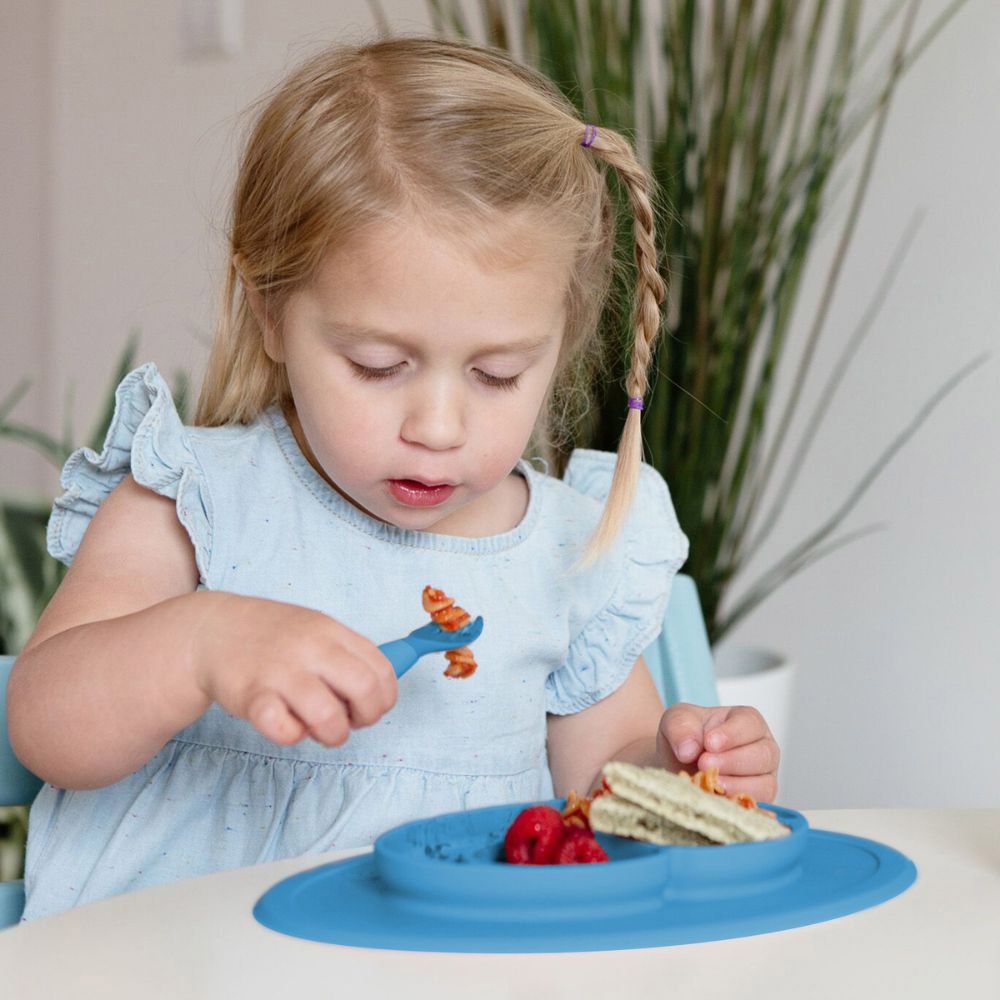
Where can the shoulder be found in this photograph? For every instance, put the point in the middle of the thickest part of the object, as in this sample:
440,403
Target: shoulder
240,461
575,504
147,440
568,509
637,569
234,436
587,480
617,604
590,472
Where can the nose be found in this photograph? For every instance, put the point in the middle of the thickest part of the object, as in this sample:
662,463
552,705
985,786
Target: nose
435,416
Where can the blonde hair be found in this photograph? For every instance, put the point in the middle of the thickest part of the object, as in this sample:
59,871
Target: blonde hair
464,137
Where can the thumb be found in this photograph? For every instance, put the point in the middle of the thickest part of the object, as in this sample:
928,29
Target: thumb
683,727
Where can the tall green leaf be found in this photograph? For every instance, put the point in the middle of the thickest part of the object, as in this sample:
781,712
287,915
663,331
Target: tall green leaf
29,576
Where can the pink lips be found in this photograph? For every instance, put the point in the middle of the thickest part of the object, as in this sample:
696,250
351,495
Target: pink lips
414,494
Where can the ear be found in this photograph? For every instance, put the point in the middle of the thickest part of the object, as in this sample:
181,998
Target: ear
273,346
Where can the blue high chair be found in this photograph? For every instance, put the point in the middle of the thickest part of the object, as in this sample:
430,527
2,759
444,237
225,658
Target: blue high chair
18,787
680,661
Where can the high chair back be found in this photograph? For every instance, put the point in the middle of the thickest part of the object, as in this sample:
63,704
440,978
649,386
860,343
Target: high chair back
18,787
680,659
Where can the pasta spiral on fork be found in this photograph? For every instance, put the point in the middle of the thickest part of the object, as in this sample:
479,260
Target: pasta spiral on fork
446,613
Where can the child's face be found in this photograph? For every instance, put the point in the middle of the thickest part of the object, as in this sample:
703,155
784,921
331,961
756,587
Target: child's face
448,398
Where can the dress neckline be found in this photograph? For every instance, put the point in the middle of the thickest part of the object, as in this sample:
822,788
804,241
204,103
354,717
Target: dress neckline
346,511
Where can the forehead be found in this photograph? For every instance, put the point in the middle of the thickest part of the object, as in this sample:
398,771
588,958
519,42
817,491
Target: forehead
509,284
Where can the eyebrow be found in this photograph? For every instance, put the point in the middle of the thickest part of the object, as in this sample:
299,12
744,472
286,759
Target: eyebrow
525,345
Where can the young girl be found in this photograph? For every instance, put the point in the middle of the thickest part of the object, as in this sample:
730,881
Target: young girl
421,246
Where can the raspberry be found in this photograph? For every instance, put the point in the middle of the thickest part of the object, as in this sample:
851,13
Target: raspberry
534,836
579,847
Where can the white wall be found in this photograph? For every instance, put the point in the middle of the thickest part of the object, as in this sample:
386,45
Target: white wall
118,158
25,171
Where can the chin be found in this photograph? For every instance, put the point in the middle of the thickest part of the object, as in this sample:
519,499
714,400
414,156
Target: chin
419,520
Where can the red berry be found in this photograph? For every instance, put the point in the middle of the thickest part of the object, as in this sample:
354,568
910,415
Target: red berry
579,847
534,836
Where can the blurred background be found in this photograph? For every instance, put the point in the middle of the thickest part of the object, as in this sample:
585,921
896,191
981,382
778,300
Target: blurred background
120,132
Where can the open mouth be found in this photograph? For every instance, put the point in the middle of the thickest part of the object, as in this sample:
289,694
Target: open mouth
416,494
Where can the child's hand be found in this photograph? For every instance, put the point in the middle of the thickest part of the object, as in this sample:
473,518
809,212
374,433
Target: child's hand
290,671
735,740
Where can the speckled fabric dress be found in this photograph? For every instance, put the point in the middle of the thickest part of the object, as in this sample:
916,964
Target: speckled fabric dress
264,523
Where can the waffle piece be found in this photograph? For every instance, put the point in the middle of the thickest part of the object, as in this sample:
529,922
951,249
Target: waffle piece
655,805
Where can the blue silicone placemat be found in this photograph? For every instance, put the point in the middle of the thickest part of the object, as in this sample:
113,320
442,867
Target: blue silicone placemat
439,885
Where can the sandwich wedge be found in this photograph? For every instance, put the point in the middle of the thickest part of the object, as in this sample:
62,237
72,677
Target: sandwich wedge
655,805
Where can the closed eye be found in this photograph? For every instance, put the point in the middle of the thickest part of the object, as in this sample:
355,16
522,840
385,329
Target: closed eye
496,381
364,372
508,383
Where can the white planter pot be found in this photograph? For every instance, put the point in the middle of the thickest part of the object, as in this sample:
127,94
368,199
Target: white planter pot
762,678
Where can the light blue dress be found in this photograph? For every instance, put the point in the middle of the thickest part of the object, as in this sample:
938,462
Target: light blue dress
263,522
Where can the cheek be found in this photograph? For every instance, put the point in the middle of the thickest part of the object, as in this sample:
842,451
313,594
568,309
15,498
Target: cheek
343,430
500,439
351,435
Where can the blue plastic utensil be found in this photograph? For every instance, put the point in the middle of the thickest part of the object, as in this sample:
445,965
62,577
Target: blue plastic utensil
404,653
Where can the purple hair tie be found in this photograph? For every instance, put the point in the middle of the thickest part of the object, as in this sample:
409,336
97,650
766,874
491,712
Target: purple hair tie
589,135
635,402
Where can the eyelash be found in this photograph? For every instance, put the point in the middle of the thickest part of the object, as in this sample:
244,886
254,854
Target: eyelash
496,382
377,374
374,374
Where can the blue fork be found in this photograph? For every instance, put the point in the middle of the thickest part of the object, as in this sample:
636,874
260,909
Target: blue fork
404,653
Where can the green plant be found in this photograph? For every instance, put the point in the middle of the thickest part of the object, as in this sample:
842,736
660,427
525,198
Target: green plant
28,574
747,138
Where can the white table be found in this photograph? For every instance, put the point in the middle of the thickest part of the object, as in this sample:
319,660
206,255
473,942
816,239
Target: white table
197,938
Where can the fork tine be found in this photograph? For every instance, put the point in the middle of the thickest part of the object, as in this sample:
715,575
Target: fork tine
429,638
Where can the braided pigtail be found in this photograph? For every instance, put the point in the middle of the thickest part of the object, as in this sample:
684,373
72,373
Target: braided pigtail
650,290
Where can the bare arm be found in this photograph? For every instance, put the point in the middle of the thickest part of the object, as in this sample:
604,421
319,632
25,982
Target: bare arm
631,725
622,726
107,676
128,653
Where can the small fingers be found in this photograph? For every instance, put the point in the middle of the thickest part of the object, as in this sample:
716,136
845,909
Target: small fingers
271,717
365,689
760,787
323,714
683,727
739,726
736,740
368,655
384,673
758,758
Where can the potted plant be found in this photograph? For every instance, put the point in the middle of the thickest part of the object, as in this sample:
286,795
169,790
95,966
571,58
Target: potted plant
743,113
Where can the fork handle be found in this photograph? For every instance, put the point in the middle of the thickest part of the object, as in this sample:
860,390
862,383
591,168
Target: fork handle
400,654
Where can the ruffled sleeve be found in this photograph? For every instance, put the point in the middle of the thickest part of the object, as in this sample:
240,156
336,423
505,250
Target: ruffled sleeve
145,437
637,575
